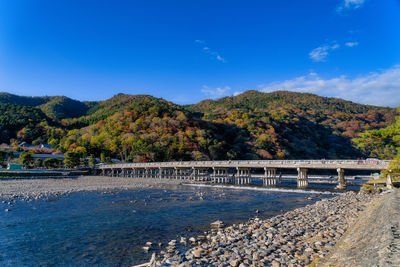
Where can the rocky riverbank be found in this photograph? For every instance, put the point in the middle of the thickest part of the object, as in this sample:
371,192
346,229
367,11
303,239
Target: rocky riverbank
38,188
296,238
375,239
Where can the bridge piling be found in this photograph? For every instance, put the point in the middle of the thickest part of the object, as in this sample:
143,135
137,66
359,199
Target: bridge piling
302,178
341,180
269,176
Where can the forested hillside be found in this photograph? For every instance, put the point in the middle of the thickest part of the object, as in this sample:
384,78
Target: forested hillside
252,125
55,107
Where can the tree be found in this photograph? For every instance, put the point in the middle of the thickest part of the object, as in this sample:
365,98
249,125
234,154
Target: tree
3,156
26,159
38,163
93,161
52,163
103,158
72,159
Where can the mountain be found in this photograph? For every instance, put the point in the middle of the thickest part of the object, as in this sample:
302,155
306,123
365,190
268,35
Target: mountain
55,107
252,125
18,121
61,107
296,125
344,117
7,98
145,128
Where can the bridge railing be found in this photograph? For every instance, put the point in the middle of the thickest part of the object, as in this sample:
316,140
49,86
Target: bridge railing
245,163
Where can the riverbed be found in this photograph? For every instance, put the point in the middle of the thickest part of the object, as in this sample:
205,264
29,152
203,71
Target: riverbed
109,225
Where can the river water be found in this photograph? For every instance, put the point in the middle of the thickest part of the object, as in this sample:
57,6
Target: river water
110,228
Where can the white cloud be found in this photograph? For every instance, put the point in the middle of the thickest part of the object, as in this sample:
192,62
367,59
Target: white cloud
215,92
237,93
351,44
376,88
320,53
210,52
350,4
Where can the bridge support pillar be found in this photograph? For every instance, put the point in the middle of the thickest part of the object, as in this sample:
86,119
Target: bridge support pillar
243,175
195,174
279,180
199,174
302,178
220,175
341,180
269,176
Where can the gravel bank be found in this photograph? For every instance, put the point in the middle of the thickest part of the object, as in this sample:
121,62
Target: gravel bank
375,238
37,188
296,238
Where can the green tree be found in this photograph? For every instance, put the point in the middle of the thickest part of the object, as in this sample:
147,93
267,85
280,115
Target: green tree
26,159
3,156
72,159
38,163
93,161
52,163
103,158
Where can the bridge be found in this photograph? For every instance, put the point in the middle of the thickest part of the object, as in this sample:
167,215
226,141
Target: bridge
238,171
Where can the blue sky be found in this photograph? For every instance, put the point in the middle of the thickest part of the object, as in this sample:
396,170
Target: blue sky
186,51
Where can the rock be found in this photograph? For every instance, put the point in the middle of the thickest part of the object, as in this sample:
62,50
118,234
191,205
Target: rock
275,264
217,224
192,240
146,248
172,243
6,210
234,263
152,259
149,244
197,252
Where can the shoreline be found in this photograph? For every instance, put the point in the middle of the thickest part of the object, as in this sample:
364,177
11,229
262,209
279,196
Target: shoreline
26,189
375,239
296,238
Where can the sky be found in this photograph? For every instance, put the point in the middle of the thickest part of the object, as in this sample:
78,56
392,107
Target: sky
187,51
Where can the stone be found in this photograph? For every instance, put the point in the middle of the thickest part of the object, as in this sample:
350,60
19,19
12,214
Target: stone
217,224
234,263
197,252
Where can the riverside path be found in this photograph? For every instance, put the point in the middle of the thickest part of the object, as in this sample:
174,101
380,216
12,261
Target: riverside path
237,171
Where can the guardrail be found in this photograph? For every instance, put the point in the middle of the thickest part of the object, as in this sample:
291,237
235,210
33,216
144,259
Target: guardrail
359,164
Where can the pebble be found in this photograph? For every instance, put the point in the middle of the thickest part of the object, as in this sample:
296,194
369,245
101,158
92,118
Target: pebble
33,189
295,238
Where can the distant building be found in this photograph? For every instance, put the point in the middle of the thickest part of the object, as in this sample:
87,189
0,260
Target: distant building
42,156
5,147
12,166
